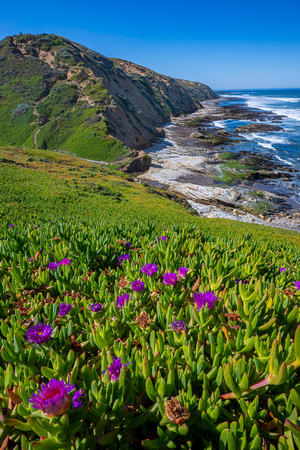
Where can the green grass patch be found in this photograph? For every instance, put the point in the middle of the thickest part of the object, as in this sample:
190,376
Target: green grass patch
234,171
257,194
228,155
47,185
97,91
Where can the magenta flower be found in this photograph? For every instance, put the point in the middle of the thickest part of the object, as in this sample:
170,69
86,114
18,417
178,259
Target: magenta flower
96,307
282,269
170,278
178,325
297,285
53,398
149,269
137,285
182,271
115,368
52,266
121,300
204,298
162,238
123,258
64,261
11,225
64,309
39,333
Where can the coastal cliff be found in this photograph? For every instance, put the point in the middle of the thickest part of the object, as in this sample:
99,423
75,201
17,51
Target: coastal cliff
57,94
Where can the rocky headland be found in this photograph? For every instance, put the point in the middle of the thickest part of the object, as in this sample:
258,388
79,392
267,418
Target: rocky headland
197,159
58,94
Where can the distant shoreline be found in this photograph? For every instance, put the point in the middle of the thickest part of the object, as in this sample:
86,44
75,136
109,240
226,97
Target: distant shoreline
173,169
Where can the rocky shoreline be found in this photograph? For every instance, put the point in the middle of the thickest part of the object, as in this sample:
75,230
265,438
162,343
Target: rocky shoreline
197,160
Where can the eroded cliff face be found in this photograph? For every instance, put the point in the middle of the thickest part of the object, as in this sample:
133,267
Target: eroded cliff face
57,94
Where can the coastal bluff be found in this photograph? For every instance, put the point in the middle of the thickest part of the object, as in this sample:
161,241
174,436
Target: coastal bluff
57,94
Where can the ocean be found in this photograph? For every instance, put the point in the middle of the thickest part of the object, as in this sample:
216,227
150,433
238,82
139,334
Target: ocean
283,146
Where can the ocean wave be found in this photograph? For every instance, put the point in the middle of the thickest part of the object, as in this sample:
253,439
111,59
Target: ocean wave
272,139
258,103
284,160
219,123
263,98
283,99
269,139
262,102
266,145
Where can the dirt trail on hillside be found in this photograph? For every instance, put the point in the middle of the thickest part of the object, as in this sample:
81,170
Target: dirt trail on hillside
34,138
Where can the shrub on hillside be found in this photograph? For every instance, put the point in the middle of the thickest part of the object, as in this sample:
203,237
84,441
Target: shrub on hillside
21,109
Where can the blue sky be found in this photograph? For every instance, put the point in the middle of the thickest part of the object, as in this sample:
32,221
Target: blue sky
225,44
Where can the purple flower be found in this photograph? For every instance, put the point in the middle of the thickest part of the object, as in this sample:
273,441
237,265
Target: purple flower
64,261
52,266
204,298
178,325
137,285
128,244
96,307
115,368
162,238
297,285
149,269
121,300
11,225
282,269
39,333
64,309
53,398
240,280
182,271
123,258
77,397
170,278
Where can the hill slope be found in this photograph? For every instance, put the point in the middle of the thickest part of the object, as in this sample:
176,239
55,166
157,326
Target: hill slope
57,94
40,185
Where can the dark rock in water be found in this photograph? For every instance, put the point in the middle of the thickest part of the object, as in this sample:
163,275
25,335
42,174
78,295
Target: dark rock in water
288,169
269,174
257,127
222,133
198,135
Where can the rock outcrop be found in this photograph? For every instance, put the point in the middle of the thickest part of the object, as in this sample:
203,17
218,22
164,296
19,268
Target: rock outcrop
139,162
257,128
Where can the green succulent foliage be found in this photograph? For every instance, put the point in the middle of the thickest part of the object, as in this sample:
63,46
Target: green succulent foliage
234,370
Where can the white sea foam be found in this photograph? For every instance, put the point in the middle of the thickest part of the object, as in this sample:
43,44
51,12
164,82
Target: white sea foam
283,99
266,145
263,98
284,160
265,103
272,139
262,103
219,123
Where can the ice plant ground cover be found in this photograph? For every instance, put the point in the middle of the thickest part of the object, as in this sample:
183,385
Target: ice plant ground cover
169,368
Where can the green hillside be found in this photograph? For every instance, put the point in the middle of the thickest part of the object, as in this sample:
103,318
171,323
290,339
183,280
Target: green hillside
57,94
42,185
